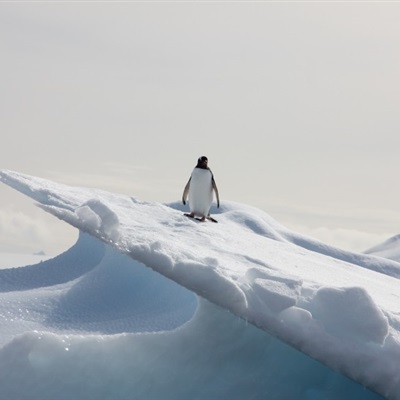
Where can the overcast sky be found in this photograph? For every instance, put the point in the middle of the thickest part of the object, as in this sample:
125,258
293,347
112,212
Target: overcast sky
296,105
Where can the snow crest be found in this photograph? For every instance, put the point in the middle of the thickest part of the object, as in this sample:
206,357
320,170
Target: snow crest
97,216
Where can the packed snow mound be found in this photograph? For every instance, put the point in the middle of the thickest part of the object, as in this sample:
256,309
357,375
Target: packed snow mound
343,312
336,306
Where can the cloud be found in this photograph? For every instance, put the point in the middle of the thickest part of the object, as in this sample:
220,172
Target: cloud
23,233
139,181
354,229
347,239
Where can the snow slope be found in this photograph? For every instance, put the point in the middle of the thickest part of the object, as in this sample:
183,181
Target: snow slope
389,249
338,307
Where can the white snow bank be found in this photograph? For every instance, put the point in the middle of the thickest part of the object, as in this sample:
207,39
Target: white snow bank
272,291
317,298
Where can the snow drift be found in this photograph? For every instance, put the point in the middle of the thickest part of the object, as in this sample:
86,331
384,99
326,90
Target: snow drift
340,308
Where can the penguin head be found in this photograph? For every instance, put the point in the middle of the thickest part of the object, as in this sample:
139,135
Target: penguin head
202,162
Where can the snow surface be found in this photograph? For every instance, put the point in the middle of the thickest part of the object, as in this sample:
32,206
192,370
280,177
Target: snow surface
95,323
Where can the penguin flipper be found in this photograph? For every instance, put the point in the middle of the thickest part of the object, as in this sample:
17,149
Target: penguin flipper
214,186
186,191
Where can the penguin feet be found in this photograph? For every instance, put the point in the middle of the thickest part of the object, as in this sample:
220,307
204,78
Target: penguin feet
191,215
202,219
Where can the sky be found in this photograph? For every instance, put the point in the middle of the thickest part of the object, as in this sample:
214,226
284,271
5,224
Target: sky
294,103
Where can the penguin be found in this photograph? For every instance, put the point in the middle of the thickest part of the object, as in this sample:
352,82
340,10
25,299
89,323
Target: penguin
200,187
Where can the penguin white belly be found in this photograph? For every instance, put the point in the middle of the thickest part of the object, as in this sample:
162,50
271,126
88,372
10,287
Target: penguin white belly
200,192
